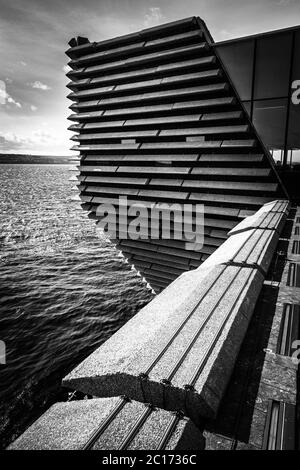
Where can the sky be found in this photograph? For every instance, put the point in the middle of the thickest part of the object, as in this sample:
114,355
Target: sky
34,36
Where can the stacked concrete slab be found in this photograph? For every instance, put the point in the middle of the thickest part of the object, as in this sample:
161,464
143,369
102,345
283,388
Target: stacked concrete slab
109,424
173,359
158,121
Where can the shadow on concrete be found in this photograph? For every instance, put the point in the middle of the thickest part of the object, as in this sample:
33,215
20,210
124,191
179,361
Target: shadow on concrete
235,416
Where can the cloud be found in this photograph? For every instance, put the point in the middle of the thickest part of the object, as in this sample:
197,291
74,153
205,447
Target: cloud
6,98
42,137
33,108
284,3
153,18
6,145
14,102
23,63
12,141
40,86
12,138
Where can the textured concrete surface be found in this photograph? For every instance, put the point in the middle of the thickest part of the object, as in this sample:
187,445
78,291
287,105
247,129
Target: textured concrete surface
260,375
186,342
179,351
279,205
132,348
269,221
214,378
65,425
70,425
252,247
270,216
219,315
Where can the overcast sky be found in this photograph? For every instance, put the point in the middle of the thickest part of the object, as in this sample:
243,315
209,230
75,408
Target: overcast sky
34,36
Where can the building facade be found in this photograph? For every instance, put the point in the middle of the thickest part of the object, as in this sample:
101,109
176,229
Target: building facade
265,70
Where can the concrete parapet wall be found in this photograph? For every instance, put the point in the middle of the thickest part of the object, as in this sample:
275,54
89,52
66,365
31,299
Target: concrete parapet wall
109,424
179,351
270,216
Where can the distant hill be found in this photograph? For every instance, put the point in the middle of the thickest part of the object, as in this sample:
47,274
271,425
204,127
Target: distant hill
24,158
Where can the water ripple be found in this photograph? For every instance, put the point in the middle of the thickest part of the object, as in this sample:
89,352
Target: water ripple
64,289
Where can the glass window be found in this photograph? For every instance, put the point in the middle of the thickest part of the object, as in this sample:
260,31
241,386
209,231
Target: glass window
296,61
295,157
277,156
269,119
294,127
272,67
294,117
238,61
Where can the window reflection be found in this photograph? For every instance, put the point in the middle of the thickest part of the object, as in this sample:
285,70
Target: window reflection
277,156
272,69
294,157
296,62
269,119
294,127
294,116
238,58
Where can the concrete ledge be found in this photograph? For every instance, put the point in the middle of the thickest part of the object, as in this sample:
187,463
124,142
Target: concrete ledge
179,351
71,425
270,216
151,363
253,248
279,205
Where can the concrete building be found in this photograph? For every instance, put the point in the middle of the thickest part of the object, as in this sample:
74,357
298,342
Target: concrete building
158,120
166,115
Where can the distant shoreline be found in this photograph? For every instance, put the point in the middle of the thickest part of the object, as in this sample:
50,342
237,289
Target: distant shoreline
34,159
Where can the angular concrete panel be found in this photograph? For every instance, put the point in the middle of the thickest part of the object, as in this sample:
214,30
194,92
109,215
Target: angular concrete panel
109,424
270,216
250,248
162,314
182,358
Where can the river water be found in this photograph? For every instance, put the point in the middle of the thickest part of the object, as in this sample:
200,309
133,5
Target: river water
64,289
